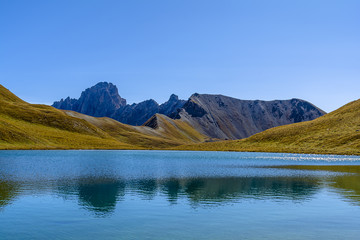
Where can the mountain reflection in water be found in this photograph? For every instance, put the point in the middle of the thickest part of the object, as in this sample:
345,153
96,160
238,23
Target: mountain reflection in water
101,195
347,184
100,180
8,191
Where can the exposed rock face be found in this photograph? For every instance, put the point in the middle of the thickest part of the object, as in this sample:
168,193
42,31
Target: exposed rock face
171,105
137,113
152,122
66,104
100,100
224,117
103,100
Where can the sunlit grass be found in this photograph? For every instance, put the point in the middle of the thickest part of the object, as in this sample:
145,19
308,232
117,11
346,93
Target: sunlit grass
335,133
32,126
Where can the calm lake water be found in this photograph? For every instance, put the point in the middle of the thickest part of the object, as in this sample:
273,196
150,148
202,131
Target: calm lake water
178,195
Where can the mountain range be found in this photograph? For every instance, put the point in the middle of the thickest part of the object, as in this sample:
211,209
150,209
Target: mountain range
216,116
34,126
103,100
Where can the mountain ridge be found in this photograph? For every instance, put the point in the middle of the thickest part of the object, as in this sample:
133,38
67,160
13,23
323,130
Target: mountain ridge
224,117
216,116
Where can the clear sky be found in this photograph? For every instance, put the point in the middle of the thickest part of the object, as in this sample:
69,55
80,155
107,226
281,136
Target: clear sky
270,49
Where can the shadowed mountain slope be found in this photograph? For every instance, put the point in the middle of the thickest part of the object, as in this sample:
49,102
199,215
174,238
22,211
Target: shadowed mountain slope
224,117
335,133
138,113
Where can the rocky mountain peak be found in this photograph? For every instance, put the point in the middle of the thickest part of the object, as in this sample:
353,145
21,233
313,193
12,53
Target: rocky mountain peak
171,105
173,97
100,100
104,91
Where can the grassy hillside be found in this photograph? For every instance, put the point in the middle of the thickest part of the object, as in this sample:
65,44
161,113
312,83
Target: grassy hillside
32,126
174,129
335,133
29,126
166,135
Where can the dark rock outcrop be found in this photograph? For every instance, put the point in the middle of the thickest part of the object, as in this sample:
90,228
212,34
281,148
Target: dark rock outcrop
137,113
152,122
224,117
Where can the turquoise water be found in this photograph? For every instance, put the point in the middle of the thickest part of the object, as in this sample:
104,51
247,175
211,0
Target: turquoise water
176,195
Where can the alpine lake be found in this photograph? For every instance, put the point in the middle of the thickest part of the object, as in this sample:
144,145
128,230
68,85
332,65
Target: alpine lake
178,195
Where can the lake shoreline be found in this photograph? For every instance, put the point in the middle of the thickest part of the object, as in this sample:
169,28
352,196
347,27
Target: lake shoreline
338,153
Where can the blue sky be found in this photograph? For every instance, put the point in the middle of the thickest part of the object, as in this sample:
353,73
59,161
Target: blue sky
245,49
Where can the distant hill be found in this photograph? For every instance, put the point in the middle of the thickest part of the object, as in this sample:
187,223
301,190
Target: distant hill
337,132
222,117
103,100
32,126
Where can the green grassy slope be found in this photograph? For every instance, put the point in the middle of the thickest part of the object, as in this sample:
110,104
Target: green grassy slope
335,133
32,126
